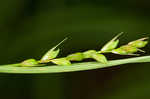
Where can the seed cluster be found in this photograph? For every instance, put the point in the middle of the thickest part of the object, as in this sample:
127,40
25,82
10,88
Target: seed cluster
111,47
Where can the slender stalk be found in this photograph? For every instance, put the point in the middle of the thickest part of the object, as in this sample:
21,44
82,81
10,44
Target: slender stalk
14,68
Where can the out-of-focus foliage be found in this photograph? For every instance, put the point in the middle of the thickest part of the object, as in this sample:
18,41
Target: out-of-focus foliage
30,27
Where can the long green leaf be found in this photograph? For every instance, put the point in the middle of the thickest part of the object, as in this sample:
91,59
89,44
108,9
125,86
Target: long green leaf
14,68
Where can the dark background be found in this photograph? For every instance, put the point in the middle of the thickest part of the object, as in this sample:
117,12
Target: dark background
29,28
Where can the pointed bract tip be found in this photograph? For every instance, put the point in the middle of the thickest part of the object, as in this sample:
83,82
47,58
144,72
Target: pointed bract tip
117,36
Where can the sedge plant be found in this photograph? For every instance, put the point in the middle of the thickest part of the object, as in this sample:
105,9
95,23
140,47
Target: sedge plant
64,64
111,47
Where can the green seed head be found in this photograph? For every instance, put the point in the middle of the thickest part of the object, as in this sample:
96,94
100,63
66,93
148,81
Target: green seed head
29,63
52,53
100,58
61,61
75,57
129,49
119,51
138,43
125,50
89,53
111,44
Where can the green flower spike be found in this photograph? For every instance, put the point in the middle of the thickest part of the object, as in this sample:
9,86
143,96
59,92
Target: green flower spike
51,54
75,57
131,47
126,50
61,61
139,43
111,44
100,58
29,63
88,54
94,55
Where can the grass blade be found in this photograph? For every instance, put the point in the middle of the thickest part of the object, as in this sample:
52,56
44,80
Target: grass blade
14,68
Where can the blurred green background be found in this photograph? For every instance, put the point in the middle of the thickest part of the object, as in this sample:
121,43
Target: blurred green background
30,27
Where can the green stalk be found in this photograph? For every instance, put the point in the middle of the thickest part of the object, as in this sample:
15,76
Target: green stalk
14,68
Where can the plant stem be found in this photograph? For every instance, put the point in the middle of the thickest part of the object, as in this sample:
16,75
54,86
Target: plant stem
14,68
